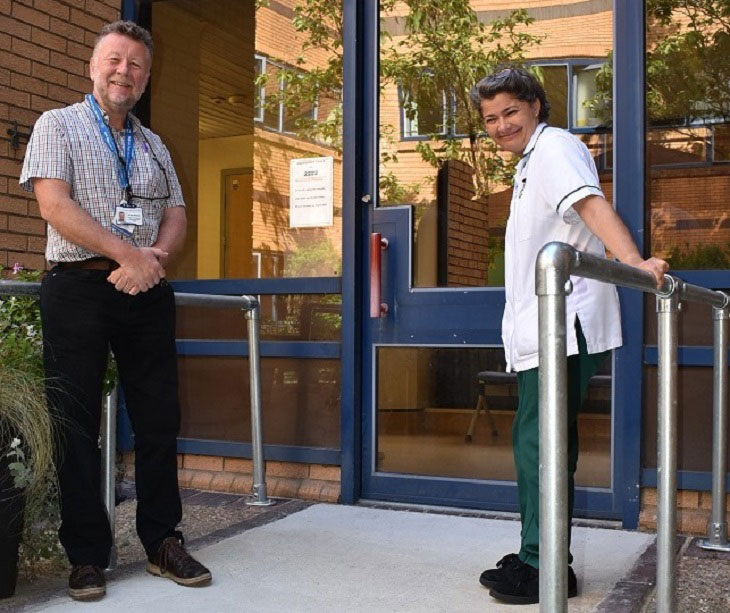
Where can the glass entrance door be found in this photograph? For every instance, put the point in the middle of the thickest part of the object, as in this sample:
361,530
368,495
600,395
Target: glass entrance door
437,405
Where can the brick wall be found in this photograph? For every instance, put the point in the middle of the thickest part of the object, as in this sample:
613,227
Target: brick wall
235,475
467,230
45,46
694,510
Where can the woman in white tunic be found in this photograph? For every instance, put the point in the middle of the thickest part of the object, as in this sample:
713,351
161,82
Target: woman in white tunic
556,197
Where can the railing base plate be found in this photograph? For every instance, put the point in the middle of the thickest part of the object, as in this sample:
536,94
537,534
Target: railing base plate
713,546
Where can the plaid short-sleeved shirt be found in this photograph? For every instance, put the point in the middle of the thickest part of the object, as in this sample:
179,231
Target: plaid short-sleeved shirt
67,144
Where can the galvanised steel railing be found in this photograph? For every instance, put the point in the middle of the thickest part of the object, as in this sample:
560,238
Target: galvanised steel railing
250,306
555,263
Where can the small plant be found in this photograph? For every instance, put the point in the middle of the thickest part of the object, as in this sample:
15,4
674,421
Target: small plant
700,257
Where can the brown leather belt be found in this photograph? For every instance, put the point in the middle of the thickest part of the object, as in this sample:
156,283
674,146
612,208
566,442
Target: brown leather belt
90,264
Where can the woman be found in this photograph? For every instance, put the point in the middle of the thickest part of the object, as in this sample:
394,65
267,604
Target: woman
556,197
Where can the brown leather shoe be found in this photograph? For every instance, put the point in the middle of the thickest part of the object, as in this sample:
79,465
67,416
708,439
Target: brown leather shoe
86,582
173,562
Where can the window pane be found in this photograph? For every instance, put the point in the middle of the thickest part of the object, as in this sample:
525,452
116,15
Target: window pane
687,140
301,396
584,91
272,111
301,317
260,92
423,112
448,412
231,146
721,142
458,185
297,109
555,82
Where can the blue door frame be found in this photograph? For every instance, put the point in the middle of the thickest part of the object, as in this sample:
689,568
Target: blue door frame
360,335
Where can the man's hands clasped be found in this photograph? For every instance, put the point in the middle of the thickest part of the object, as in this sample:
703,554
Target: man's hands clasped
139,271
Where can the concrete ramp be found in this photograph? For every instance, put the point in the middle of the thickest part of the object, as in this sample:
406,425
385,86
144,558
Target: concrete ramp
345,558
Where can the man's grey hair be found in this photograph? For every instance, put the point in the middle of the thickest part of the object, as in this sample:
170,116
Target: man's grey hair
128,29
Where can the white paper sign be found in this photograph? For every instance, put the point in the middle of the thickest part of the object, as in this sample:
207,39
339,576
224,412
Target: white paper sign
311,193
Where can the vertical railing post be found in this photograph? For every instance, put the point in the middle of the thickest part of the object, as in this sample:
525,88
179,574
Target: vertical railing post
551,287
717,534
258,494
108,434
667,316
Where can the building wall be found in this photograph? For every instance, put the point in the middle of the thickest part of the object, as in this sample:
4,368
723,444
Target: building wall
45,46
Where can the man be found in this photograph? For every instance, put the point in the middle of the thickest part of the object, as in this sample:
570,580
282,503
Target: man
116,219
556,197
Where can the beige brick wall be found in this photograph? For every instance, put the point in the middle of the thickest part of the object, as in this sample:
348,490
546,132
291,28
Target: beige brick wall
235,475
468,229
44,50
694,510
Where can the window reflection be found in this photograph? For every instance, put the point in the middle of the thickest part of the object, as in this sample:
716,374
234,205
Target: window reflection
448,412
688,101
241,90
434,154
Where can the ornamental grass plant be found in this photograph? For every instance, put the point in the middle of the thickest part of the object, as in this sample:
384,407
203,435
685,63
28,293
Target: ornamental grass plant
27,428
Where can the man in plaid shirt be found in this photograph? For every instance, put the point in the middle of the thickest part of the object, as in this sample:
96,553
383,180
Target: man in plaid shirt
116,219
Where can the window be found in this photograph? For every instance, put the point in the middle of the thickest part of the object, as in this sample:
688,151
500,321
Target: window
260,93
423,114
273,114
569,85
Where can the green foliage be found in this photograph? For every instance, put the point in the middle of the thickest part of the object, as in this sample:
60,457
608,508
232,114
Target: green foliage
687,72
320,21
447,48
316,259
21,344
701,257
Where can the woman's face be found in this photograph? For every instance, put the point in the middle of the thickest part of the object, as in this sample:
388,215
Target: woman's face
510,121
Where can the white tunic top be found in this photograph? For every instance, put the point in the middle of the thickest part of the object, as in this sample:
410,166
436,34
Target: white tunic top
555,172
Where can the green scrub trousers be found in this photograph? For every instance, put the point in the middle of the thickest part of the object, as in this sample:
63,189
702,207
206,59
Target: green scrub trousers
526,437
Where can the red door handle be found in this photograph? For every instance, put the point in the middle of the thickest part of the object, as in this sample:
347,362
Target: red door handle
377,245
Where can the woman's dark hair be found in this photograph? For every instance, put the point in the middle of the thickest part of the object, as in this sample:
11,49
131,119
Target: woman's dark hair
521,84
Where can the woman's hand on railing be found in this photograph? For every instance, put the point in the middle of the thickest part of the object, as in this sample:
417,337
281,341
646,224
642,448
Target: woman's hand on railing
656,266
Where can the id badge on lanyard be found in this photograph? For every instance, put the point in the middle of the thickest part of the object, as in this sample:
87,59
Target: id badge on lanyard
126,216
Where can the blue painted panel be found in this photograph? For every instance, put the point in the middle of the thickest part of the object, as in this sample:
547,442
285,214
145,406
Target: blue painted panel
713,279
686,480
129,10
280,453
687,355
628,192
268,349
360,35
240,287
474,494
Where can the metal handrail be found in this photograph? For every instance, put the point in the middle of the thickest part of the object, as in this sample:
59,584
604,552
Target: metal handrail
250,306
555,263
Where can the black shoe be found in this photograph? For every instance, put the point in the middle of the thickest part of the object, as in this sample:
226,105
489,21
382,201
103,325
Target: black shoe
493,576
173,562
522,586
86,582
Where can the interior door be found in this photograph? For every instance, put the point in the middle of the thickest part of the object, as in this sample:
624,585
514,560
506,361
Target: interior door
238,224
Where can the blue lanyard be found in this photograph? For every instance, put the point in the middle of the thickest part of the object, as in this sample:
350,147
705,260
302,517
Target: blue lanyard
124,164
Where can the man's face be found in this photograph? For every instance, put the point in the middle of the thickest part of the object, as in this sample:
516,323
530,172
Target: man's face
510,121
120,68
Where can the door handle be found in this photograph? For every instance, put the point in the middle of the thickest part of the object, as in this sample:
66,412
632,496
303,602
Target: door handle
378,244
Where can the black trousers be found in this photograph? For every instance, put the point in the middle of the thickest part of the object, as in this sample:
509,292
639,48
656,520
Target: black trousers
83,316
